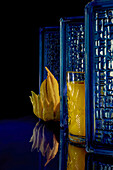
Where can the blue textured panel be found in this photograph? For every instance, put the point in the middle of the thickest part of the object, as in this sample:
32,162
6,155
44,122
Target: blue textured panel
75,47
49,54
72,56
104,73
98,162
99,76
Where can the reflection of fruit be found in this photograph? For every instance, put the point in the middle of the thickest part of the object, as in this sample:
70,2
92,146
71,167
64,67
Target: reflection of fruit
42,138
52,152
76,158
46,106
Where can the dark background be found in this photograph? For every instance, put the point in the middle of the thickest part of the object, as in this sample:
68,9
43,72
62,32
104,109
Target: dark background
20,24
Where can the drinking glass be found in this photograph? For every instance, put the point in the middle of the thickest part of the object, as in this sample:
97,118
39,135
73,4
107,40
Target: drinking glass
76,106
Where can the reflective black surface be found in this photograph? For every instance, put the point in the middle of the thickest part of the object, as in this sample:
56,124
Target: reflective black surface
16,150
27,143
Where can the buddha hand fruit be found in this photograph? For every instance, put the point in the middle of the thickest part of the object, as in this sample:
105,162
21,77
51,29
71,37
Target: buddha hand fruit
46,106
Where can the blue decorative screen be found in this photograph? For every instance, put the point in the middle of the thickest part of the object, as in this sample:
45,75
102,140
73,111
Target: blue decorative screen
99,76
49,52
103,48
75,47
72,56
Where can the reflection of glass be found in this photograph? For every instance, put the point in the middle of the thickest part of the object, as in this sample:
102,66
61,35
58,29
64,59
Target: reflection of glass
76,158
76,106
45,140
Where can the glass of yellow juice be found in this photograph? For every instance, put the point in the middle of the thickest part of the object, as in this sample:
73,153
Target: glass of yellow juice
76,106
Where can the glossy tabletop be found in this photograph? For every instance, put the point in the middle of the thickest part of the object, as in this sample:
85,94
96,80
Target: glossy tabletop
29,144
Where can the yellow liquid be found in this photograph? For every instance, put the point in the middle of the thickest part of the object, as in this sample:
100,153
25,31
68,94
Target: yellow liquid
76,107
76,158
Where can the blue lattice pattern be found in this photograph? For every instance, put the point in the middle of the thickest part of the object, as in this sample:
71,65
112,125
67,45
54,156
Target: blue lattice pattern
52,52
75,47
100,165
104,75
72,57
98,162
